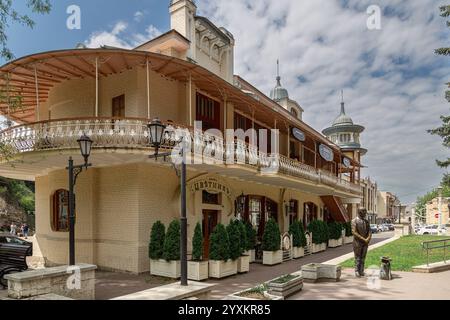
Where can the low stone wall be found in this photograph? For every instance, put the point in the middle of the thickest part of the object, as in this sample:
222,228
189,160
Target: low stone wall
76,282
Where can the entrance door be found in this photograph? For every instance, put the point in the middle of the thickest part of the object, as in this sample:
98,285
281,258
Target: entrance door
209,223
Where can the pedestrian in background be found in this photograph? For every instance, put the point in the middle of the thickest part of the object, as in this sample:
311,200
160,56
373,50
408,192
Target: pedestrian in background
13,229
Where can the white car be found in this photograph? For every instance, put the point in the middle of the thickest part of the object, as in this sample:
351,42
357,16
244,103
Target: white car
431,229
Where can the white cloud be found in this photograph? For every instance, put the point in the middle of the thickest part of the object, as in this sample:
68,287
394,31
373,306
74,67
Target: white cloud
394,84
119,37
138,16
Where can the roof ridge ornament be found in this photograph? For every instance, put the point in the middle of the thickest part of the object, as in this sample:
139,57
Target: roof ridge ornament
342,103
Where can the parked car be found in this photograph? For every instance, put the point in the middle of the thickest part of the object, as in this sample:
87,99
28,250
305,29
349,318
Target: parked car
7,239
383,227
431,229
390,226
374,228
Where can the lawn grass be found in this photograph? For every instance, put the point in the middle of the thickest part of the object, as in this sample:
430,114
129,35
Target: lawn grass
405,253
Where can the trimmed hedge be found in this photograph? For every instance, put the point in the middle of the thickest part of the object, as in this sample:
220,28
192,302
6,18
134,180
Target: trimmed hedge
272,238
197,244
172,242
319,231
243,235
219,244
234,236
298,234
251,237
348,229
157,236
335,230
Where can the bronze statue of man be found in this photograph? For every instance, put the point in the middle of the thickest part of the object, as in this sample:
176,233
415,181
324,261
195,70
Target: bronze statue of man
362,236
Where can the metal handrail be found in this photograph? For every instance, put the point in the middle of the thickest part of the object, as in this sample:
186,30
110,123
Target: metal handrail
426,246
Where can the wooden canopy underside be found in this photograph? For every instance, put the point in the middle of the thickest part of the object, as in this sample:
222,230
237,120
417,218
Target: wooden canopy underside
35,75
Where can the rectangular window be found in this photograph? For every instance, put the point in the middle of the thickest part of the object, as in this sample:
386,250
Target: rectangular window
118,107
208,112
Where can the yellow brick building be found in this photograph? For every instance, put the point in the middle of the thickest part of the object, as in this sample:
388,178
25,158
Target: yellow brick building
183,76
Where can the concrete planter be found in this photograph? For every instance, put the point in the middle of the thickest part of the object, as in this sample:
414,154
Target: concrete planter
332,243
198,270
243,264
298,252
237,296
271,258
315,272
162,268
222,269
251,254
315,248
348,240
285,289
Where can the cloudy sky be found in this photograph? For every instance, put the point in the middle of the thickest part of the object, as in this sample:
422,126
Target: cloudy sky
394,84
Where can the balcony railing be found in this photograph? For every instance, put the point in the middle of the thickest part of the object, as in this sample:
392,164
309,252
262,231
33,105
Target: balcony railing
131,133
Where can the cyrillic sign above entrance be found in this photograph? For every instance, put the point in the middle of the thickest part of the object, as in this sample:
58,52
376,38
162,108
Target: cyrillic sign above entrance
298,134
211,185
326,152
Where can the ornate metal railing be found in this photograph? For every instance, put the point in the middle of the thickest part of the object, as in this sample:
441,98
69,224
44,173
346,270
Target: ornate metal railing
132,133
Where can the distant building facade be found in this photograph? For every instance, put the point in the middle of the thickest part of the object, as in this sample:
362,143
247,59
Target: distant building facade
432,211
370,198
389,207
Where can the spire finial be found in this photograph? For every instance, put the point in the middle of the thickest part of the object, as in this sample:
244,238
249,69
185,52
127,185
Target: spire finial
278,73
342,103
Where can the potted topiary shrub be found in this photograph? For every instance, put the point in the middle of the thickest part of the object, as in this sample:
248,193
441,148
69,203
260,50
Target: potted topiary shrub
244,259
271,244
299,239
251,241
348,233
335,234
169,266
156,246
220,264
197,268
319,231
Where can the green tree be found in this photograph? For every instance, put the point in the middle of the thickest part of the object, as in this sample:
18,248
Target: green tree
157,236
9,15
251,236
197,243
243,235
219,244
444,130
171,250
298,234
334,230
271,238
234,236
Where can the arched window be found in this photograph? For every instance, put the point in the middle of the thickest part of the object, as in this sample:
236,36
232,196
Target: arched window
60,211
294,113
310,213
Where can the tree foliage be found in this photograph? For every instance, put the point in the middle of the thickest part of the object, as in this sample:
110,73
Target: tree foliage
172,241
444,130
157,236
250,236
298,234
219,244
334,230
271,238
319,230
18,193
197,243
9,15
234,236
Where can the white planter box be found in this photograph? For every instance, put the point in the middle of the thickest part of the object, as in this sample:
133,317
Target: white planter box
198,270
222,269
348,240
252,254
315,248
236,296
243,264
271,258
162,268
334,243
285,289
298,252
315,272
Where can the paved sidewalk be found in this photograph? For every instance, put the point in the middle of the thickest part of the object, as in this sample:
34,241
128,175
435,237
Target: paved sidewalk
404,286
260,273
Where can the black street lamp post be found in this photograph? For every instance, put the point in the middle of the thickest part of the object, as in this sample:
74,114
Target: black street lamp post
156,136
85,144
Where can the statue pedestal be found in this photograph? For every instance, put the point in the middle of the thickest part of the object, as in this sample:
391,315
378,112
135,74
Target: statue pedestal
403,229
